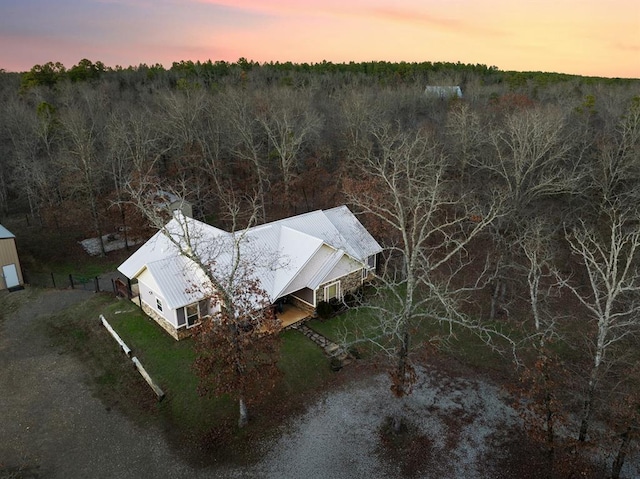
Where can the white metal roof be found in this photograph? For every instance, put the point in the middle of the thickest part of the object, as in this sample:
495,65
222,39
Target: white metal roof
354,233
5,233
284,256
179,281
443,91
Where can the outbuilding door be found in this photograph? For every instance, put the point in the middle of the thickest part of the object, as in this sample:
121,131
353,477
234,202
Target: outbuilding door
10,274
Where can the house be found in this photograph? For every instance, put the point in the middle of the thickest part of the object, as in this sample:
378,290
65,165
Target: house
298,261
443,92
11,272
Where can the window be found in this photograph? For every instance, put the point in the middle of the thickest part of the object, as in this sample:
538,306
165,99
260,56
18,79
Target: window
332,291
193,314
159,304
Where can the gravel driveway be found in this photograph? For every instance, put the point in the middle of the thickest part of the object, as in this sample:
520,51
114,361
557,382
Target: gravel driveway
52,426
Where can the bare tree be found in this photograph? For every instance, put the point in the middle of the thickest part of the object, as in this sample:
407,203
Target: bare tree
289,126
183,119
398,179
246,142
464,126
616,171
134,148
529,161
83,122
543,376
31,132
608,252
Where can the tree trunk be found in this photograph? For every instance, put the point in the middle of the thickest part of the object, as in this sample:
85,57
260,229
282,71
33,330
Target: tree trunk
243,420
586,408
495,299
548,402
124,227
586,414
622,453
96,222
400,387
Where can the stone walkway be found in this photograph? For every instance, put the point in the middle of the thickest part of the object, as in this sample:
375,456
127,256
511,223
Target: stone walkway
331,349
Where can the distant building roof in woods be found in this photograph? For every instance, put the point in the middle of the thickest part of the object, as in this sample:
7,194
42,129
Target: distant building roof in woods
435,91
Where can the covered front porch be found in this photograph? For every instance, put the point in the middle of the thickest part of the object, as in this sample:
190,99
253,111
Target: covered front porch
290,314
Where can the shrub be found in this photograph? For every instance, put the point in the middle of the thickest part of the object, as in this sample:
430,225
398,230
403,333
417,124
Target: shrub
324,310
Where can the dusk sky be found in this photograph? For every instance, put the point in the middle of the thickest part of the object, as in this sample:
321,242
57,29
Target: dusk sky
587,37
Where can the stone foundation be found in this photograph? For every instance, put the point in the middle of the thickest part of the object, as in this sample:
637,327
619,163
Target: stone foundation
176,334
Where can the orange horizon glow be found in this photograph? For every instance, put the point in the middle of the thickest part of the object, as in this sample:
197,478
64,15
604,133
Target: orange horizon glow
590,38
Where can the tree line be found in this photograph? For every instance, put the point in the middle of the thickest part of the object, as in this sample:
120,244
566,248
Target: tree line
510,213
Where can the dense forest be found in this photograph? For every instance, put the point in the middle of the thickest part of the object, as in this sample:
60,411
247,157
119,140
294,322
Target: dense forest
515,205
76,136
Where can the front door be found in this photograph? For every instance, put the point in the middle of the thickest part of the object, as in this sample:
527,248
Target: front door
10,274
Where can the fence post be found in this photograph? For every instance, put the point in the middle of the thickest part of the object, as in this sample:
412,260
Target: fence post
53,279
143,372
97,285
113,285
71,282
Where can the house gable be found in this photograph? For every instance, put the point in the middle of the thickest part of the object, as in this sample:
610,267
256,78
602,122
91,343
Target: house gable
342,268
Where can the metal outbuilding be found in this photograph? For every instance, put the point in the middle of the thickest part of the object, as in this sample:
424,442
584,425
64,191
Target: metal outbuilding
11,270
443,92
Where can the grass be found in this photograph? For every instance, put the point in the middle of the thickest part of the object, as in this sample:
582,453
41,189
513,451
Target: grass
44,250
169,363
463,344
303,363
194,420
201,427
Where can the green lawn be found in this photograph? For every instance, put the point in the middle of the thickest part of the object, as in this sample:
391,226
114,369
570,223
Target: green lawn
360,323
169,362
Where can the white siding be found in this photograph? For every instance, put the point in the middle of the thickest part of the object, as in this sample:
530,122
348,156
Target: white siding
343,268
149,296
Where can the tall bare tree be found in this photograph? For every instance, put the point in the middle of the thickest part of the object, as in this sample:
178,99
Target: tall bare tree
398,179
82,156
289,126
529,161
247,145
608,252
616,170
134,147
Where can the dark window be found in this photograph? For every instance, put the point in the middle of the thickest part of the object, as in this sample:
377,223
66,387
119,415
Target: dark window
193,314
